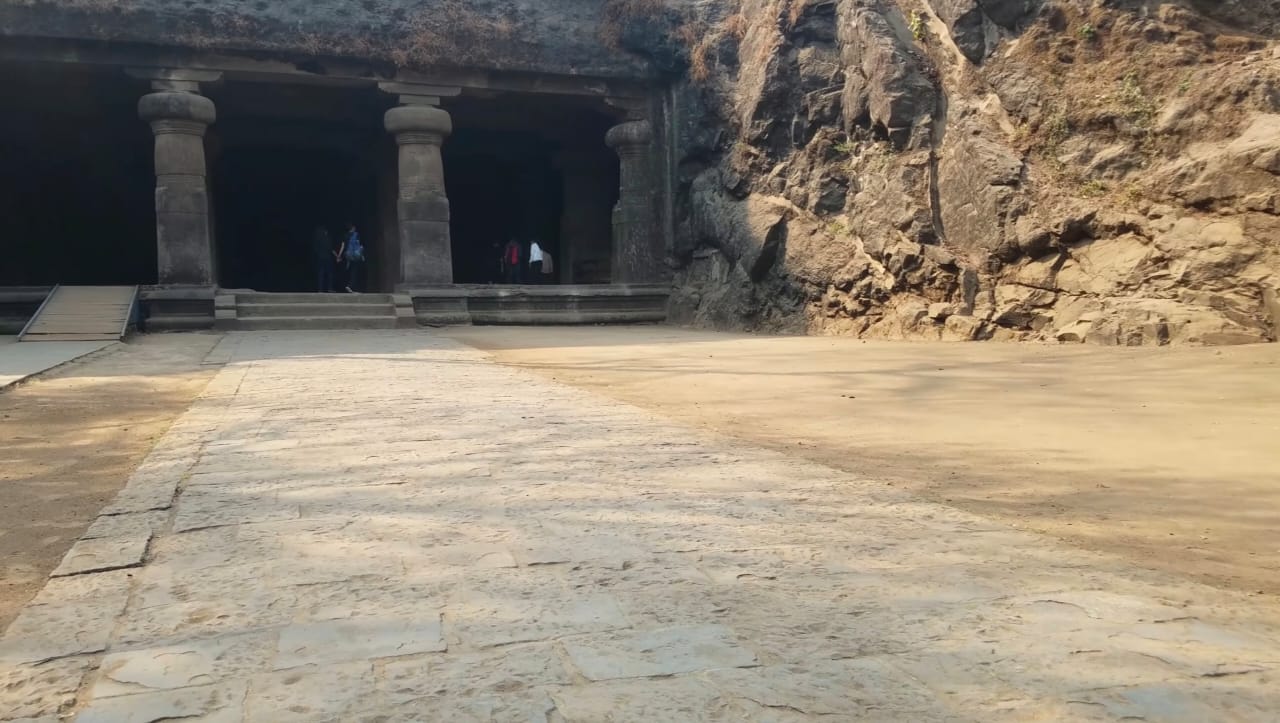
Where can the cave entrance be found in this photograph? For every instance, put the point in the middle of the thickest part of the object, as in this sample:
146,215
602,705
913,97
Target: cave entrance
77,194
286,160
530,167
501,185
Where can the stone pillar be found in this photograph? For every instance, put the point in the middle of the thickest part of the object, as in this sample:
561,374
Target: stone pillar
637,236
426,257
184,236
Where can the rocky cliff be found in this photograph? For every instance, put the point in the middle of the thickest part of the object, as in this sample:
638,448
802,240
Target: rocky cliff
1099,171
562,37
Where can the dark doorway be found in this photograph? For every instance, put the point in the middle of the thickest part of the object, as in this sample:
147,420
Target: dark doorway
530,167
77,196
285,160
270,201
501,185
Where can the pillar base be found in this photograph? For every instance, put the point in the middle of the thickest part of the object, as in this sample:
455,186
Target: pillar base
178,307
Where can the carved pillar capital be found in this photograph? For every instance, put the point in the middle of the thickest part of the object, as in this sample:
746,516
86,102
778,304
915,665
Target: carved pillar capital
630,138
418,124
178,112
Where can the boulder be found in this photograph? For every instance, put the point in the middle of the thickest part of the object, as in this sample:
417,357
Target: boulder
967,25
1214,174
1032,238
1041,273
1157,322
749,232
940,311
1206,252
1009,13
1271,304
1022,306
977,182
820,257
884,80
962,328
1105,267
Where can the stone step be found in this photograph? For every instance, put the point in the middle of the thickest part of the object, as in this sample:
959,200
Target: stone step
288,323
267,298
363,308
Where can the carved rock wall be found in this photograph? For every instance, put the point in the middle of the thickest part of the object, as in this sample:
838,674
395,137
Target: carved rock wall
563,37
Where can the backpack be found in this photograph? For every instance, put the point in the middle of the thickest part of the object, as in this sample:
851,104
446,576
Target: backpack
355,249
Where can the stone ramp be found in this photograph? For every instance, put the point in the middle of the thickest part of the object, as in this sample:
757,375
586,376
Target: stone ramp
83,313
385,526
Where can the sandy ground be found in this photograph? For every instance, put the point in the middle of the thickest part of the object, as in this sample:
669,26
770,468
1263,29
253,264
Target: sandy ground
1170,457
462,540
69,440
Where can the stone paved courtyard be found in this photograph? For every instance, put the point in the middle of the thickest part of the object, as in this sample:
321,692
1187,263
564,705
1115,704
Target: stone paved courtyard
390,527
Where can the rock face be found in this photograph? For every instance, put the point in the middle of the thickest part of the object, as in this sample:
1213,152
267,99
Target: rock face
566,37
973,169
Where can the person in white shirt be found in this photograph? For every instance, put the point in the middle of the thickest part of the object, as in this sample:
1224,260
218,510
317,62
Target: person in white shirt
535,261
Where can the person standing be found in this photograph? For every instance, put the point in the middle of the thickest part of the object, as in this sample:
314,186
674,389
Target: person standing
352,252
535,262
511,262
323,257
548,267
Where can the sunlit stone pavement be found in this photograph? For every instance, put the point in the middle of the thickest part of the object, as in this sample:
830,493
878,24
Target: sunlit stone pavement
386,526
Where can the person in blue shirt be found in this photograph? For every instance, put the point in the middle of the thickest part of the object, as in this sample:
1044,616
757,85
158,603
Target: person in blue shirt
352,254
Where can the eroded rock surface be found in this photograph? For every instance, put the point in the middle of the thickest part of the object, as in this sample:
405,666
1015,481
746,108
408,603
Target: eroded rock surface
1062,169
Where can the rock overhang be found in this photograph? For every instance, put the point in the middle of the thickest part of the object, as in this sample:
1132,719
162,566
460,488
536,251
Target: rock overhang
565,38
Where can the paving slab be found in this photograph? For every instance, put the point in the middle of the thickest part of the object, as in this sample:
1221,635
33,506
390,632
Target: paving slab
100,554
186,665
221,703
655,653
36,690
20,361
333,641
387,526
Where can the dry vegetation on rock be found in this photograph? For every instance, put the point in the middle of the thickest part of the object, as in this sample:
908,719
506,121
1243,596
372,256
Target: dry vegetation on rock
1069,170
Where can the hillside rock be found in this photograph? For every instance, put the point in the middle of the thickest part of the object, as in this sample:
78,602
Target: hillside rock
1026,175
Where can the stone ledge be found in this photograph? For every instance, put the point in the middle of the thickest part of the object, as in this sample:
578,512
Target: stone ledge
178,308
540,305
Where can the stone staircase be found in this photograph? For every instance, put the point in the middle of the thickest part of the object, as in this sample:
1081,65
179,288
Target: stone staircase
253,311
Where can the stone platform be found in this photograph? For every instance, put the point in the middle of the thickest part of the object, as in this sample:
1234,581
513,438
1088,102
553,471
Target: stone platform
566,304
178,308
388,526
251,311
